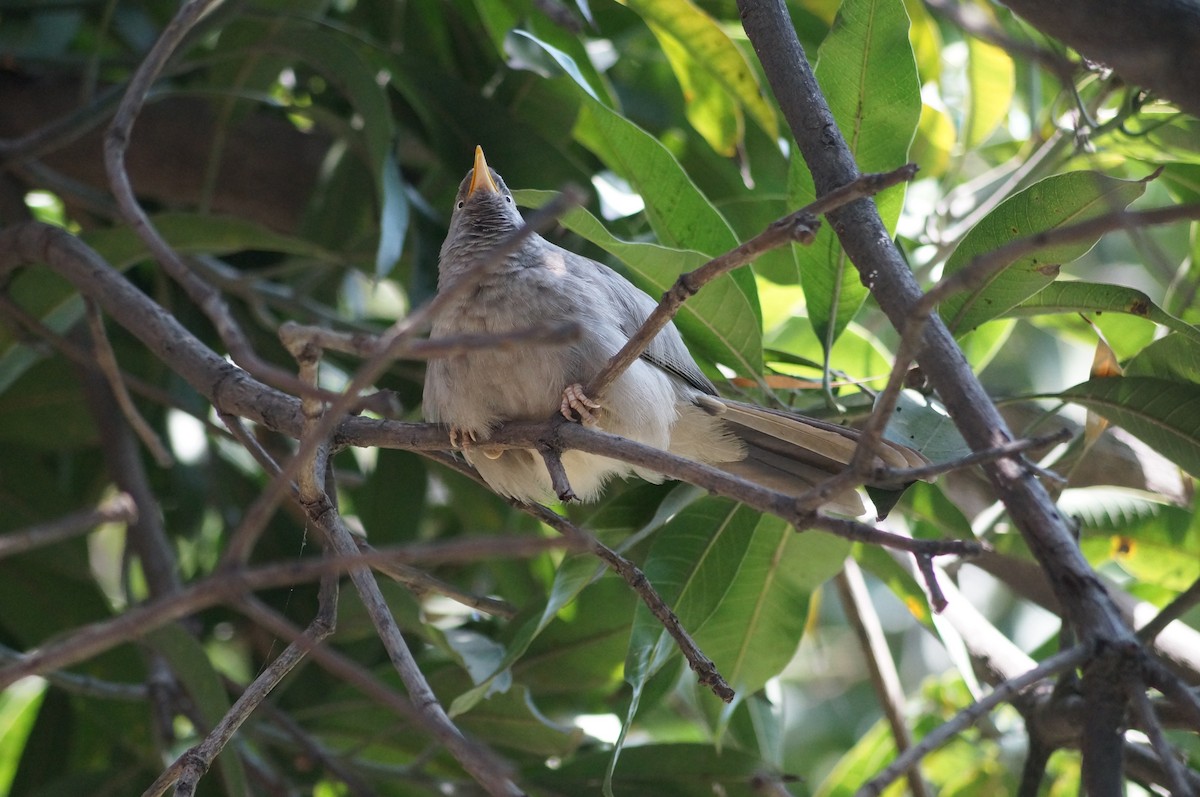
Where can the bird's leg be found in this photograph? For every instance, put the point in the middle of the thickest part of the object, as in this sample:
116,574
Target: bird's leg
575,400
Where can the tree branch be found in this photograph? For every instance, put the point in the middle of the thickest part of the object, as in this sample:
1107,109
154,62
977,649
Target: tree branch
969,716
1150,43
869,246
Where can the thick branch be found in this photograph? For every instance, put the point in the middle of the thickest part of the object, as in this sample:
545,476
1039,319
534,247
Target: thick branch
883,269
1149,43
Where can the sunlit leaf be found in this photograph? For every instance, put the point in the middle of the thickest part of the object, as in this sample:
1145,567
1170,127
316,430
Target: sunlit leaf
1054,202
1146,542
866,69
990,76
934,141
700,52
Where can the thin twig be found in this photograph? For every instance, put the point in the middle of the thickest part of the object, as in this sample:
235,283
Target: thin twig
856,604
978,457
531,434
120,508
705,669
90,640
1183,602
85,685
937,599
320,507
1186,701
116,142
798,227
106,361
970,715
552,458
1149,724
363,344
420,584
195,762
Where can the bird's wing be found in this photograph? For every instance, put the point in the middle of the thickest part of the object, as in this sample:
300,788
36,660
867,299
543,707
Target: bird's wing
632,306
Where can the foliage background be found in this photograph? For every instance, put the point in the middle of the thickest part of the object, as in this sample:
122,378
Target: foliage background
306,154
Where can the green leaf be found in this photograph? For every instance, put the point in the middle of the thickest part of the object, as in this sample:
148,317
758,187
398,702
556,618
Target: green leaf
1054,202
856,352
898,579
680,215
1163,414
934,142
756,628
678,770
922,422
1161,134
1147,544
866,68
194,233
19,706
526,51
678,212
991,78
709,108
709,67
719,321
983,343
190,663
1175,357
511,720
1077,296
873,750
741,581
575,573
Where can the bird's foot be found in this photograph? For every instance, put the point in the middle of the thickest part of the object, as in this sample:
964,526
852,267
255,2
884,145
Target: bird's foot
463,439
574,400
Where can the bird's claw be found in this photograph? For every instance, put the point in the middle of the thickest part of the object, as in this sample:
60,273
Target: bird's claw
461,438
466,438
575,400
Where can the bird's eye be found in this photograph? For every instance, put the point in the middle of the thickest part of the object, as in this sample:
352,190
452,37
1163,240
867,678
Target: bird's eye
508,199
460,204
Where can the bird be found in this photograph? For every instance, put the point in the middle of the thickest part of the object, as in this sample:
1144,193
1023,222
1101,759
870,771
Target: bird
662,400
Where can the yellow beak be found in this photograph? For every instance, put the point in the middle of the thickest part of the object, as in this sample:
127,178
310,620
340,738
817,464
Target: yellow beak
481,178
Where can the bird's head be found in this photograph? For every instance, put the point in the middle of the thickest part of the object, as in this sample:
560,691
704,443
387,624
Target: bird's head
484,209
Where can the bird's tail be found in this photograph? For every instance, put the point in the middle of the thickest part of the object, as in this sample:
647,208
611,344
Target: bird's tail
791,453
